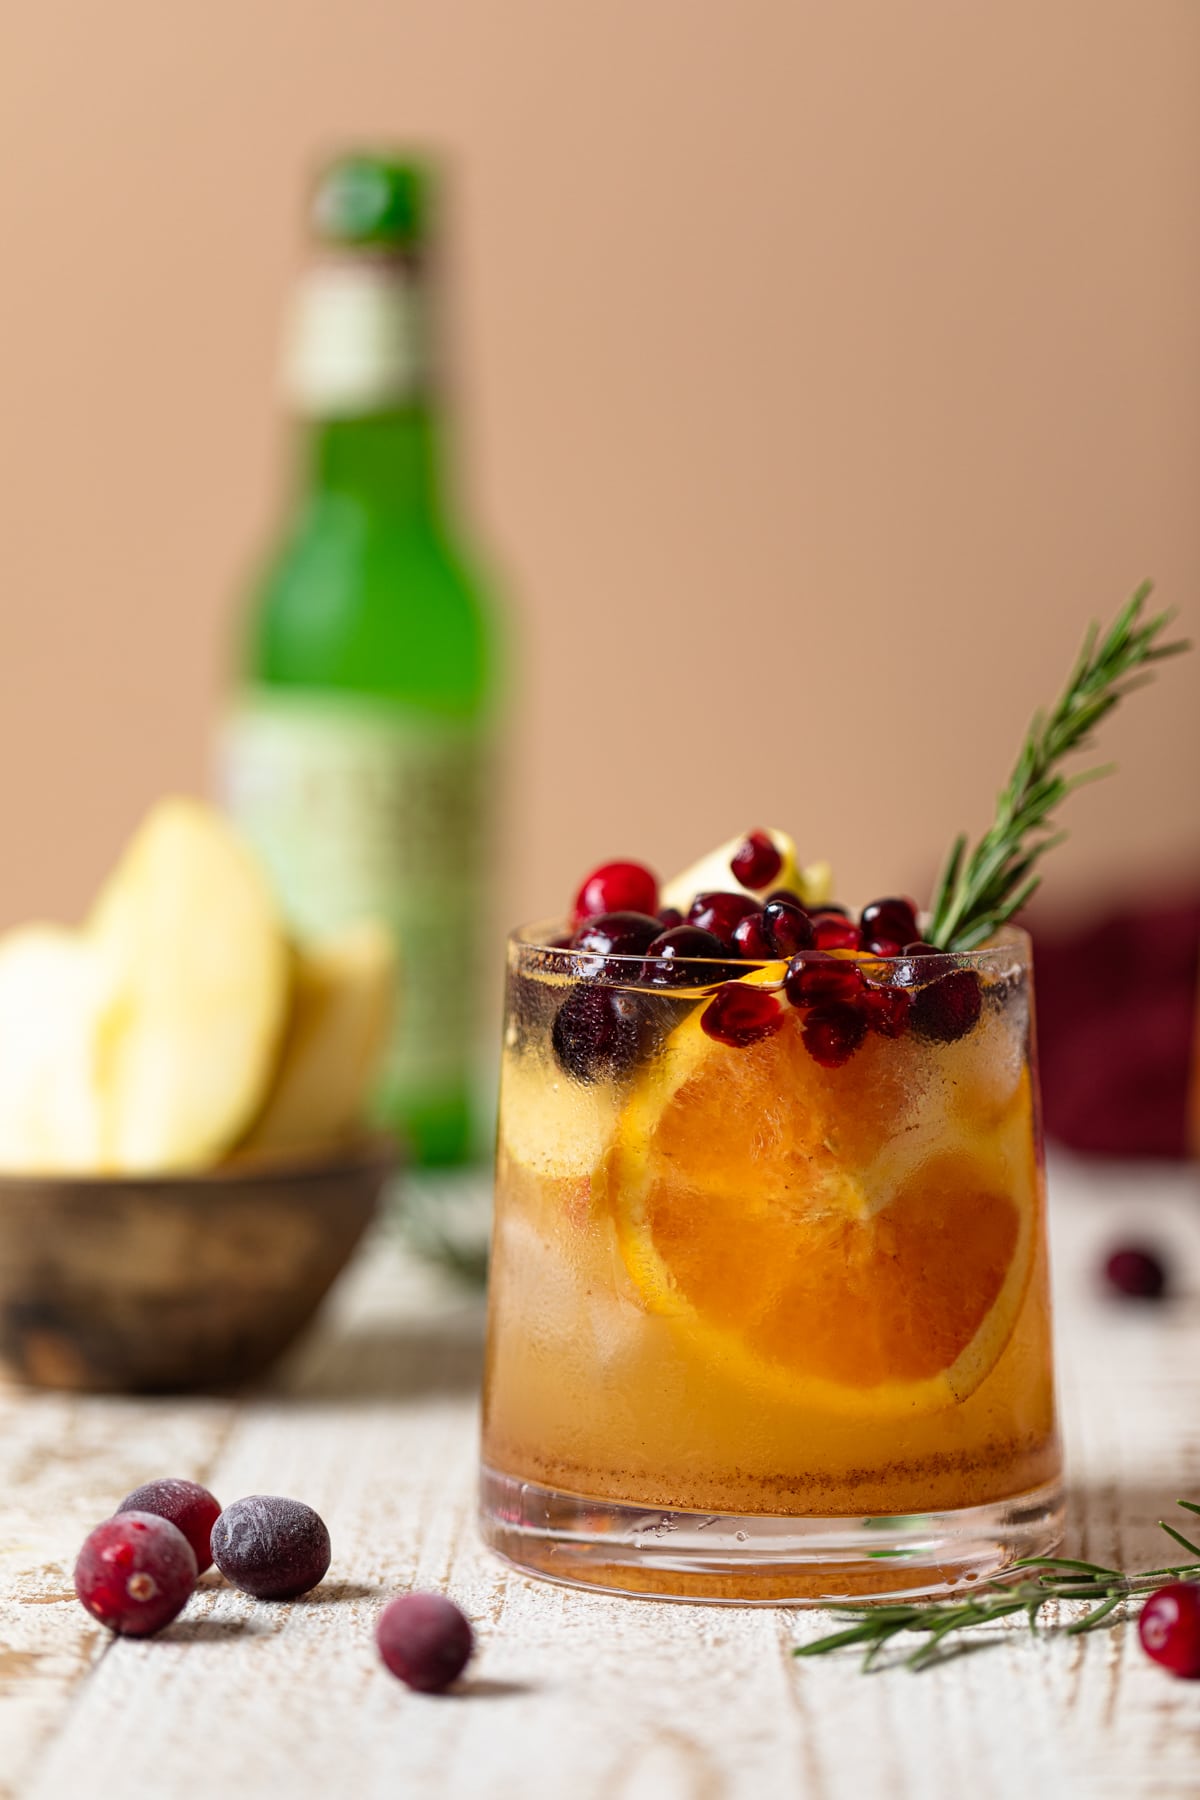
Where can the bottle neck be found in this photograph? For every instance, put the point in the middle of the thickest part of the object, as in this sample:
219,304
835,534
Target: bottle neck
386,461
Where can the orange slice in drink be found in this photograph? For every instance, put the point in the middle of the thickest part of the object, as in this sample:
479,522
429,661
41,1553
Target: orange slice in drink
840,1233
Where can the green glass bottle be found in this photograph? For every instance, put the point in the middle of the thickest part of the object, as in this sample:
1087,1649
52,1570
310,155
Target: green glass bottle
356,753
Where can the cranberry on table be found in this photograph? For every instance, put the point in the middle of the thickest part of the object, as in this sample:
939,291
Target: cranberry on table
756,862
833,1031
667,958
617,887
748,938
425,1640
948,1008
135,1573
1137,1272
787,927
739,1015
597,1031
188,1506
1169,1627
719,913
271,1547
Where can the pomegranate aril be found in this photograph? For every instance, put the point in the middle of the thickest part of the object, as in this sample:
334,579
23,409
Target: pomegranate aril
719,913
669,917
1169,1627
616,887
597,1032
748,939
135,1573
813,979
187,1505
1136,1272
613,934
834,931
833,1031
948,1008
887,1010
271,1547
920,948
887,925
787,927
756,862
668,958
741,1015
424,1639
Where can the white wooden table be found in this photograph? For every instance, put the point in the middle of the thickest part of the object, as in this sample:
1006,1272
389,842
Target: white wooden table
573,1696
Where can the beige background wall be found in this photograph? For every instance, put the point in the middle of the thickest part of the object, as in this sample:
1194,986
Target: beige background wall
822,367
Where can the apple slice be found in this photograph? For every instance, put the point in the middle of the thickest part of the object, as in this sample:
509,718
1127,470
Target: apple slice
713,873
56,1006
343,992
192,942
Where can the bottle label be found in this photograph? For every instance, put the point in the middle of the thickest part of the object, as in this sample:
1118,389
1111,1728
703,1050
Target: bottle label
356,340
359,811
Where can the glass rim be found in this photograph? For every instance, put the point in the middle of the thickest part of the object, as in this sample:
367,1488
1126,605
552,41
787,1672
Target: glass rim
537,940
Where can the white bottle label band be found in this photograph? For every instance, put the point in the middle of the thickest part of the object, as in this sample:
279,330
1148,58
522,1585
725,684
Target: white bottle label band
356,338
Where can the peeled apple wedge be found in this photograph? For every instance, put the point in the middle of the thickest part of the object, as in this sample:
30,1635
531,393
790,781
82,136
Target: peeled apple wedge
193,946
343,991
56,1009
812,885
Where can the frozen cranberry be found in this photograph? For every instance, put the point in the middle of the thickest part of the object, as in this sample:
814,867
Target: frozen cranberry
189,1507
748,939
741,1015
425,1640
1169,1627
271,1547
719,913
613,934
812,979
616,887
834,931
135,1573
597,1032
949,1007
833,1031
1136,1272
756,862
787,927
887,1010
887,925
669,917
668,957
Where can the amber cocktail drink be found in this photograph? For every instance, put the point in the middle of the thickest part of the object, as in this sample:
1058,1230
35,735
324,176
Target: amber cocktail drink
769,1308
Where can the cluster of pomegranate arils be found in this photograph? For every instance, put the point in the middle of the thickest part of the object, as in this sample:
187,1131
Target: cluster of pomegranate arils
617,916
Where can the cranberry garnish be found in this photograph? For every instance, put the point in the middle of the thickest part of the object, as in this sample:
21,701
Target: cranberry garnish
616,887
614,934
756,862
887,925
667,958
814,979
271,1547
669,917
949,1007
597,1031
741,1015
748,939
887,1011
135,1573
834,931
1136,1272
425,1640
787,927
719,913
1169,1627
188,1506
832,1032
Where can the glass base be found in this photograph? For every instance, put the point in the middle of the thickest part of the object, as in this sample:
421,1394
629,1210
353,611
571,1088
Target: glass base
761,1559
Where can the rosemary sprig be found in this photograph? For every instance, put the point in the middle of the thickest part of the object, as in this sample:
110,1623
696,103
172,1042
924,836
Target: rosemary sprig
873,1626
979,892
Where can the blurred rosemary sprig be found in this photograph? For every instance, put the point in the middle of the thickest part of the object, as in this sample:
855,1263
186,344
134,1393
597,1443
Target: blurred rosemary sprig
1057,1578
978,893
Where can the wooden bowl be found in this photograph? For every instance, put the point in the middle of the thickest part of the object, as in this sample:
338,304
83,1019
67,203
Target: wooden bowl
150,1284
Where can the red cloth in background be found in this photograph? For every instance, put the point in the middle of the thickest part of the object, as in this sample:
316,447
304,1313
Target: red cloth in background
1117,1022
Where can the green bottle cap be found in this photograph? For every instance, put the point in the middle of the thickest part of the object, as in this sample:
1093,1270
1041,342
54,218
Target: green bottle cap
373,200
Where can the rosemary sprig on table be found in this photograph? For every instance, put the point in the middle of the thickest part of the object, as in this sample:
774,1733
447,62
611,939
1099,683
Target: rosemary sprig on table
978,893
1057,1578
